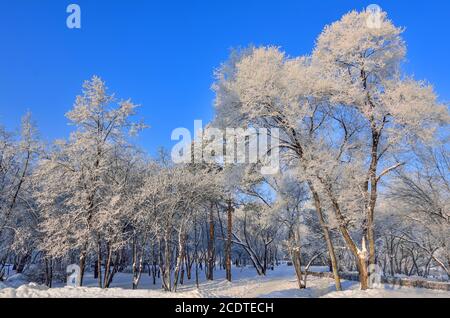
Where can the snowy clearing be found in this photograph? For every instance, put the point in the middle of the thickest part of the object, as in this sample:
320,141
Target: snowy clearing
280,283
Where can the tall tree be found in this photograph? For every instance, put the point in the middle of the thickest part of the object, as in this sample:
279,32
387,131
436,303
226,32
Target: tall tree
75,176
361,67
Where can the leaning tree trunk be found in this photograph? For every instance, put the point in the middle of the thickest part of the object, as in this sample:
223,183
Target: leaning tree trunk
360,255
137,270
372,193
326,233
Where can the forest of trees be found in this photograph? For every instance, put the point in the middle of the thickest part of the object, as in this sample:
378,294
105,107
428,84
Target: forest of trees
364,175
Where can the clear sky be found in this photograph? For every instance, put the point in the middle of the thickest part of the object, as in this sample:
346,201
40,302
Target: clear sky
162,53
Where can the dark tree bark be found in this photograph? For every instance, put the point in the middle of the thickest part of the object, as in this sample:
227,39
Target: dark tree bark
326,234
48,272
98,273
82,265
229,241
211,245
167,259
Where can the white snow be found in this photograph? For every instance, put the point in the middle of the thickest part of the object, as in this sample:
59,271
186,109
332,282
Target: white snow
279,283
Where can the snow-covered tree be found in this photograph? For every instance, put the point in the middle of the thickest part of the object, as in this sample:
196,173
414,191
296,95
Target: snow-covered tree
266,89
346,114
18,213
77,188
360,69
421,198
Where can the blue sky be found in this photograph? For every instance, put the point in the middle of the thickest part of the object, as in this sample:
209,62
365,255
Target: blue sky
162,53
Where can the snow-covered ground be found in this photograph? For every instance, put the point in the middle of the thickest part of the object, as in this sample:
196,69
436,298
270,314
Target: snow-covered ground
279,283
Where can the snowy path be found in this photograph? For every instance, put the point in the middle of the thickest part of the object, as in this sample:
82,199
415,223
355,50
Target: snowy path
266,288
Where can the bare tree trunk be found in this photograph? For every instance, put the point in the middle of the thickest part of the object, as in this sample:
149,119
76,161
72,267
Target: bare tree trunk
326,234
188,263
82,265
228,245
138,260
360,255
106,277
196,252
137,271
48,272
154,259
160,262
167,259
181,254
296,260
99,264
196,272
265,258
211,245
183,271
363,272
